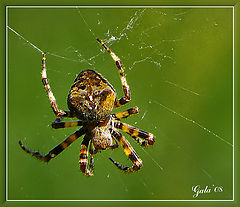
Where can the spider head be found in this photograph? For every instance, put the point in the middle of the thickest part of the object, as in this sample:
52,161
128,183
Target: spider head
101,136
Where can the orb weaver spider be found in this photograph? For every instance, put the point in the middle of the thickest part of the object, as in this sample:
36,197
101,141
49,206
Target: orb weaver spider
91,99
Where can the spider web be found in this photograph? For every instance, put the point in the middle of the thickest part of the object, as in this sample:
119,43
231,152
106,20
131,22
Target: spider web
146,48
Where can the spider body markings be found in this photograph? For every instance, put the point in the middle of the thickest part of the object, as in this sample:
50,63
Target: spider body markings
91,99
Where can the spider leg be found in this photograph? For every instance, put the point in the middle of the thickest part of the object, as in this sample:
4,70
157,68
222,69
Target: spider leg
125,114
129,151
92,152
137,134
126,88
57,124
56,150
57,112
83,160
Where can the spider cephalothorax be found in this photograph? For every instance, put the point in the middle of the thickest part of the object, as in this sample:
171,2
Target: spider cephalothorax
91,99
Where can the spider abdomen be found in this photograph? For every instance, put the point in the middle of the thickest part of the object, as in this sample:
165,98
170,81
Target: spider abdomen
91,96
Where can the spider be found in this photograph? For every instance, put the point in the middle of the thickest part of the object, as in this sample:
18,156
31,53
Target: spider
91,99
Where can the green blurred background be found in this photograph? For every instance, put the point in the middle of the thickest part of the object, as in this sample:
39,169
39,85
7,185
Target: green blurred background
179,67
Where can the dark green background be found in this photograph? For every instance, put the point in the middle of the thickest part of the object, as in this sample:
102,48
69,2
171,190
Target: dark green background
163,47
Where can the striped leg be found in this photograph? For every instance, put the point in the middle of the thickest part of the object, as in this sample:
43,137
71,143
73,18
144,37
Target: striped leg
52,99
126,89
83,160
137,134
125,114
129,151
57,124
58,149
